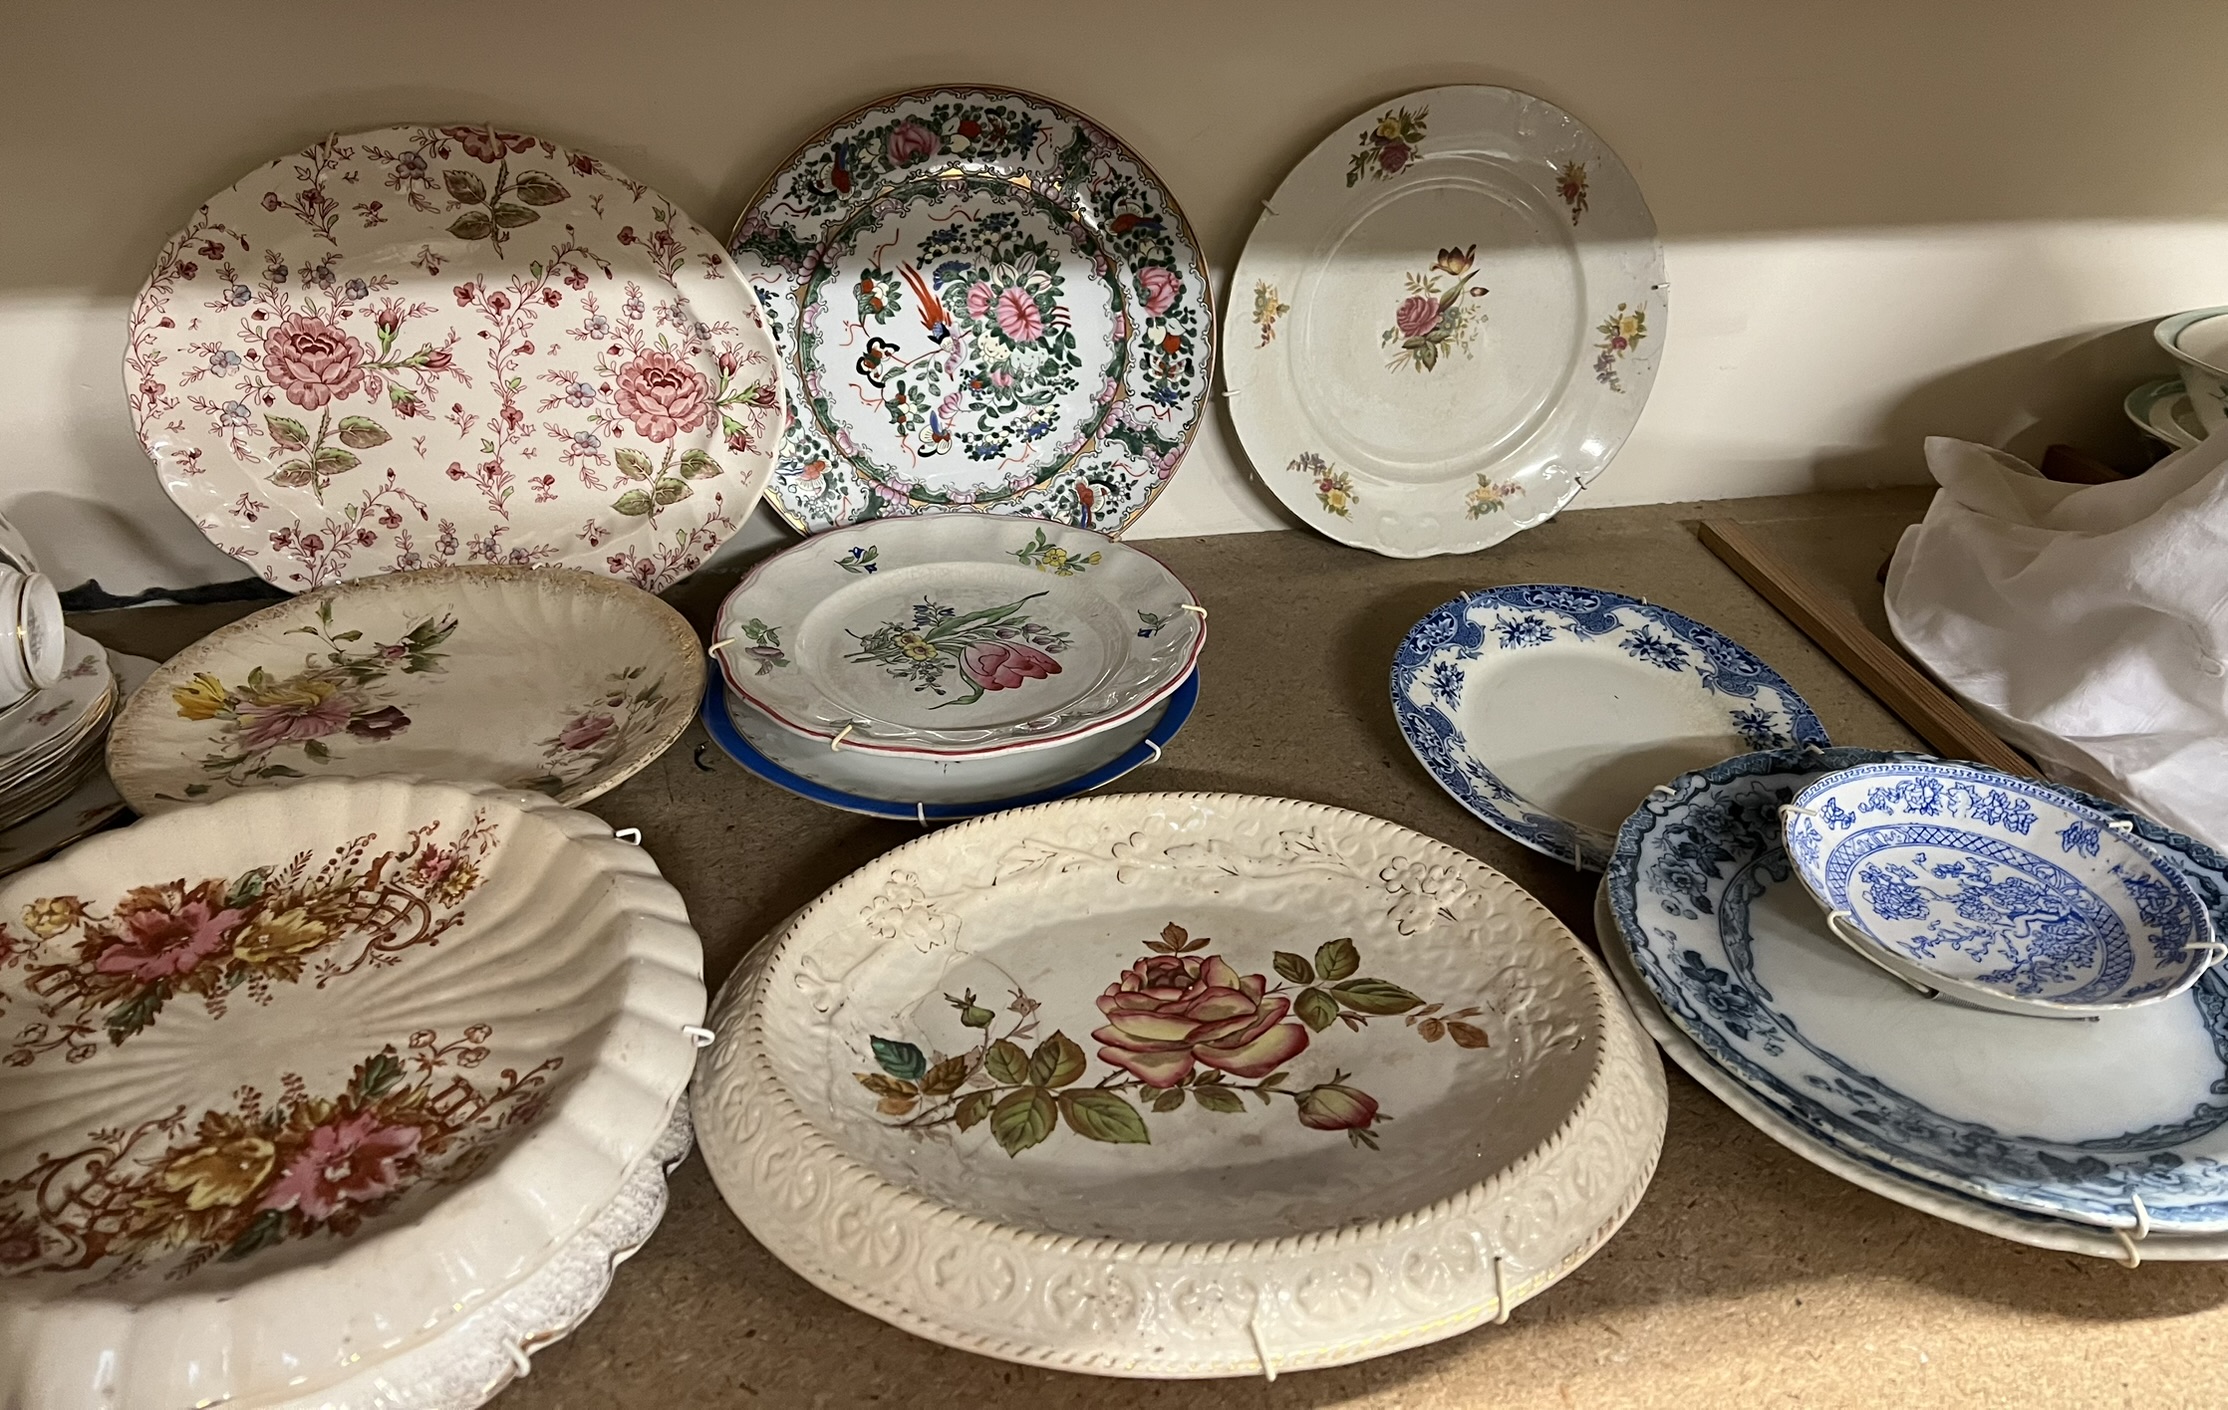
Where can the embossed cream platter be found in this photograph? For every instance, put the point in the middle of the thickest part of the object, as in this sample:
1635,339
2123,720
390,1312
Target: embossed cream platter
957,635
1445,322
1178,1085
304,1079
549,679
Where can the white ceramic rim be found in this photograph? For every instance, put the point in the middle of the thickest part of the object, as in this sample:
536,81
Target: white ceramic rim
1624,1073
2168,333
2143,407
729,608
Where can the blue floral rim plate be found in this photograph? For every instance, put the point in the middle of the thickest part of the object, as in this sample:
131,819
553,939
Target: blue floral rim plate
1494,688
2122,1122
1995,889
1176,710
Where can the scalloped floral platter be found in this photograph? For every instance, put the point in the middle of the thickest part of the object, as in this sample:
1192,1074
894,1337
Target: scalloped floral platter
418,346
1445,322
1178,1085
550,679
1550,711
2115,1123
988,303
85,809
957,635
307,1078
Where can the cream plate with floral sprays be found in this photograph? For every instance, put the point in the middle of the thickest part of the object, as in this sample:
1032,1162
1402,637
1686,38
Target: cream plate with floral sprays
419,346
306,1077
87,808
988,302
548,679
957,635
1178,1085
1445,322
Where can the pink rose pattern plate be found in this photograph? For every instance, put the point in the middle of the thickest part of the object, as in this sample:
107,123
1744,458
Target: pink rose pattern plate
423,346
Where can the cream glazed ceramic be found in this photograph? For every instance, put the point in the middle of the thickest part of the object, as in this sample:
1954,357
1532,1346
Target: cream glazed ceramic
1178,1085
303,1079
418,346
547,679
85,809
1445,322
957,635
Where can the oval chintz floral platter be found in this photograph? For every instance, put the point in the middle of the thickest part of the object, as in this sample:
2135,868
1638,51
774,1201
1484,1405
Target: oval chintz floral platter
559,681
311,1076
419,346
1445,322
988,303
1178,1085
957,635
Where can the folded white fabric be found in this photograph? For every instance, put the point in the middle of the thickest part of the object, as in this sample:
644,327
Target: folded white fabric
2088,624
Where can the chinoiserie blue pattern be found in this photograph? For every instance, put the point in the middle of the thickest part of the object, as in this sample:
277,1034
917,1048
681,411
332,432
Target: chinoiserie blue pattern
1998,882
1432,665
1692,862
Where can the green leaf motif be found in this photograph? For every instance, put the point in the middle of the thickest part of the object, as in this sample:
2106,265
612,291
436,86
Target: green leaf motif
472,225
293,475
362,433
1294,968
332,460
287,433
1056,1062
264,1230
1375,996
1168,1100
1337,959
1316,1009
539,188
1218,1099
633,464
697,465
634,502
1006,1063
901,1060
316,749
668,491
247,888
944,1078
1024,1119
464,186
378,1075
510,217
1099,1115
973,1108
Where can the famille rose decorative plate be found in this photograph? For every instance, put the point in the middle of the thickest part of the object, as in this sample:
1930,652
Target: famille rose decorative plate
419,346
1550,711
987,303
2116,1122
1178,1085
549,679
957,635
1445,322
307,1077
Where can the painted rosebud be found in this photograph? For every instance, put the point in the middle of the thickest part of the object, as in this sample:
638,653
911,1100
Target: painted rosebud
972,1014
1332,1107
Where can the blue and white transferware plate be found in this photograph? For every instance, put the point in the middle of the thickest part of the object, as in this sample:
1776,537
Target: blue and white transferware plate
2122,1122
1997,890
1550,711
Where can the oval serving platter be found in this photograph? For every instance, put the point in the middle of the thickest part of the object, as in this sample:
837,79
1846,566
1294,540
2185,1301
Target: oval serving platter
1445,322
309,1076
555,680
957,635
1549,711
1178,1085
988,303
2116,1122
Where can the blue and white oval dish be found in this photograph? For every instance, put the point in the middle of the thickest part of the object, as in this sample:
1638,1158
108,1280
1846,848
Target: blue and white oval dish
1550,711
1996,890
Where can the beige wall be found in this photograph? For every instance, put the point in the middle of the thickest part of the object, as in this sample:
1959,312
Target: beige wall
1882,218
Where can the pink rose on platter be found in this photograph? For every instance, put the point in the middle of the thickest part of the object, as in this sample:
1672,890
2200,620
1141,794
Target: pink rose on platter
662,395
312,361
1416,316
1019,317
911,142
1158,287
586,731
168,931
292,712
350,1160
1393,156
979,296
1002,665
1168,1013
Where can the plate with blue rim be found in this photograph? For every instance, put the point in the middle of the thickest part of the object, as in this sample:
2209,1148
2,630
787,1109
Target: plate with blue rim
2120,1123
1549,711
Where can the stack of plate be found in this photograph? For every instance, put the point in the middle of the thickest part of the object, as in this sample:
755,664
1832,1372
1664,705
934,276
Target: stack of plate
50,740
2105,1137
943,667
94,801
